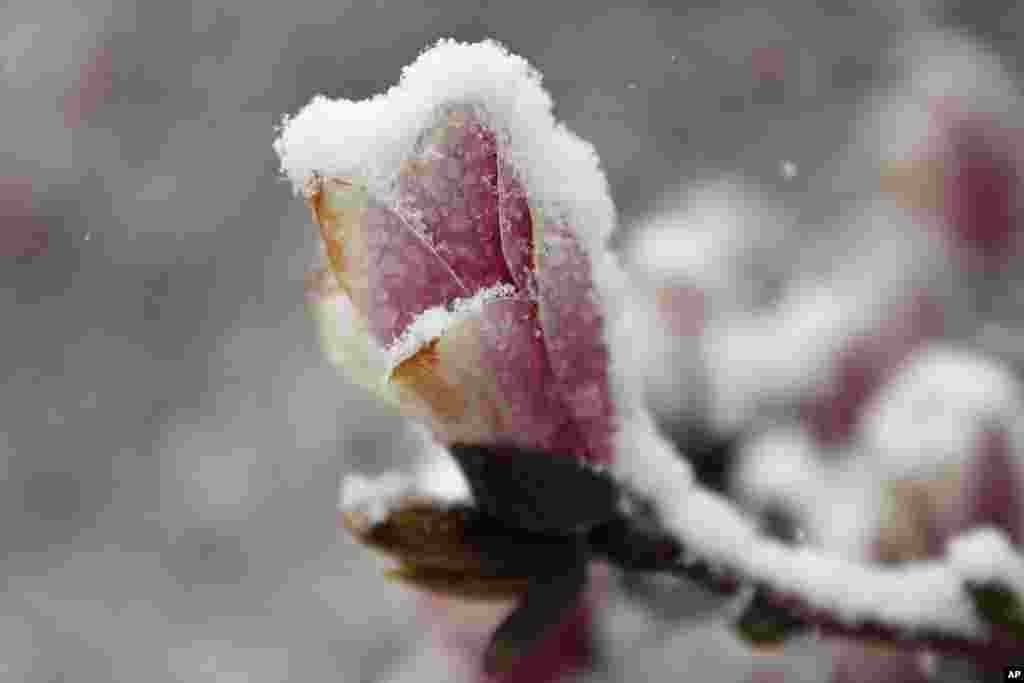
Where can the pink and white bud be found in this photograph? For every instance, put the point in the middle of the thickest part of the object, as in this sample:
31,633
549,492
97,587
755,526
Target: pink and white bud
459,224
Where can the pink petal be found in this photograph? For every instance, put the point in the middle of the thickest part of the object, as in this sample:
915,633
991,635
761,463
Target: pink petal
684,307
567,651
516,226
857,663
22,235
512,348
406,276
388,271
573,333
992,491
467,627
983,183
864,367
768,63
95,80
451,190
488,377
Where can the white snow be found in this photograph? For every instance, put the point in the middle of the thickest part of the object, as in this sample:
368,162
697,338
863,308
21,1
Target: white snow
717,235
436,477
437,473
374,498
986,555
370,139
927,418
780,354
434,322
779,463
912,595
838,502
348,344
648,462
932,413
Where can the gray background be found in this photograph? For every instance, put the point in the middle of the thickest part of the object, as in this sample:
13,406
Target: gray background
170,434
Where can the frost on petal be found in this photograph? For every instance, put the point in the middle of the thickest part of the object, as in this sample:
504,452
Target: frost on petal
573,332
434,322
426,157
486,376
512,349
515,226
416,162
445,384
407,277
435,368
388,271
449,189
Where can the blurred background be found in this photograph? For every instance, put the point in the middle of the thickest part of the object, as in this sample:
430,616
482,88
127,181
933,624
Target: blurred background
822,200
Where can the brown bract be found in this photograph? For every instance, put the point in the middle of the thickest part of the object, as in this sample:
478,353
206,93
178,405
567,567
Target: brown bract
429,542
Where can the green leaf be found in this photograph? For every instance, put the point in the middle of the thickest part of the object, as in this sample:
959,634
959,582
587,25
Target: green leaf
764,625
999,605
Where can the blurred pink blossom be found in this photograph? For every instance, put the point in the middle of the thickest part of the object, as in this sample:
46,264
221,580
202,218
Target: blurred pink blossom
984,179
95,79
864,366
969,179
466,628
928,513
684,307
991,491
22,234
768,63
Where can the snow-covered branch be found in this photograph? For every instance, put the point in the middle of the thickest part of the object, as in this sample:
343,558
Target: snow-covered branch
932,605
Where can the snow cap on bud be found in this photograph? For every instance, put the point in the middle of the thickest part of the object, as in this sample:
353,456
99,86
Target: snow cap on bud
458,275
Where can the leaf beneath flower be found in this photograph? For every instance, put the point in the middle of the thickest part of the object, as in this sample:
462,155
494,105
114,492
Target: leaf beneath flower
1000,606
764,625
463,585
544,606
535,490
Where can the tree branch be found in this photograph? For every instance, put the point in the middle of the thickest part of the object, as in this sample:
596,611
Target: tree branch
969,604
